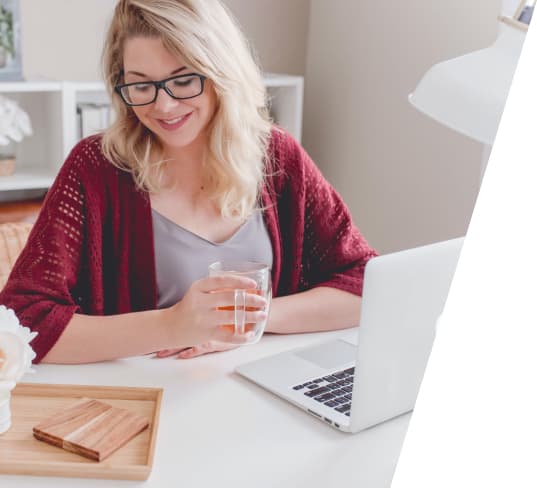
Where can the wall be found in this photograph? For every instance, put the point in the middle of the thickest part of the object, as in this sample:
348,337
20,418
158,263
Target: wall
407,179
278,29
62,39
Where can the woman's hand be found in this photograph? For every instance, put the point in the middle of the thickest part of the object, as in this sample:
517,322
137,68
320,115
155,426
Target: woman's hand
192,352
206,313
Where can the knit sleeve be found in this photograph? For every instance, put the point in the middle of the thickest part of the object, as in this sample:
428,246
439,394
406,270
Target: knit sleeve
42,287
334,252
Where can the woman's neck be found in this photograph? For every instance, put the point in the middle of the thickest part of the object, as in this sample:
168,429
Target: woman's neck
184,167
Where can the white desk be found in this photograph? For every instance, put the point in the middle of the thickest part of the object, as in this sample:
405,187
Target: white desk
219,430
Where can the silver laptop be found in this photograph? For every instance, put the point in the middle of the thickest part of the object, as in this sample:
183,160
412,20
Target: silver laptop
352,387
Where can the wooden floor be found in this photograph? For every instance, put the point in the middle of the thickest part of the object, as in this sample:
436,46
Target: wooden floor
22,211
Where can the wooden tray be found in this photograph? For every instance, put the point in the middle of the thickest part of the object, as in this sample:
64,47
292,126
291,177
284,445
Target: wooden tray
21,453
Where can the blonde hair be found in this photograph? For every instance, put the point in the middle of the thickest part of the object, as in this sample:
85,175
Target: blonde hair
206,35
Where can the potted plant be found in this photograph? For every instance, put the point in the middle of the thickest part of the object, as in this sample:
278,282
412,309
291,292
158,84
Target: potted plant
7,47
14,125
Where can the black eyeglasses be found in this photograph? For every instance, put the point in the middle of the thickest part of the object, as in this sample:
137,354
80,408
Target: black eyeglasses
179,87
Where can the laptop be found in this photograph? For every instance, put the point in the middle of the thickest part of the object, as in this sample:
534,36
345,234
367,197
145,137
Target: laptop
352,386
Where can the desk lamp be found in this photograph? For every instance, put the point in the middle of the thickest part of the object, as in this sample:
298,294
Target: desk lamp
468,93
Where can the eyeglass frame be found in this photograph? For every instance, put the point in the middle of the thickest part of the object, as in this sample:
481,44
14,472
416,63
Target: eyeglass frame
158,85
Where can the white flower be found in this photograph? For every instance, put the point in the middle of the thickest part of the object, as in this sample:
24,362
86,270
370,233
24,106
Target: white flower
14,122
16,354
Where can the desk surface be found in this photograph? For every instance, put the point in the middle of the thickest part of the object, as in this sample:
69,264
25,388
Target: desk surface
218,429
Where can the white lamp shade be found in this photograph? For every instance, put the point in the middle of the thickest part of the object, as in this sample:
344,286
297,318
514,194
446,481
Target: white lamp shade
468,93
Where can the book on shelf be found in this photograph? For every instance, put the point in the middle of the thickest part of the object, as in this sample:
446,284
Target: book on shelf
92,118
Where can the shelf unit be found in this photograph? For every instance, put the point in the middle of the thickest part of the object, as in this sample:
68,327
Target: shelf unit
51,106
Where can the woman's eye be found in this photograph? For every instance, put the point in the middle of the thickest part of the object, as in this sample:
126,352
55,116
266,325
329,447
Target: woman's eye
182,82
141,88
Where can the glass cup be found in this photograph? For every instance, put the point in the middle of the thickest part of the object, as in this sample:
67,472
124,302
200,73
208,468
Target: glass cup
260,273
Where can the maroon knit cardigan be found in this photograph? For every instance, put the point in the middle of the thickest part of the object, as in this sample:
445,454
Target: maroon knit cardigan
91,250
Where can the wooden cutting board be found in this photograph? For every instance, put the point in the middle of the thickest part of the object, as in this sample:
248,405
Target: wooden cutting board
31,403
91,428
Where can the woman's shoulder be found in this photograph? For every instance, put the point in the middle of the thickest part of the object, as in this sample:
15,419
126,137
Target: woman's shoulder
87,162
282,144
87,153
286,156
87,171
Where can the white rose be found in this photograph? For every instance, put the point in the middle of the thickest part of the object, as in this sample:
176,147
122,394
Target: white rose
14,122
16,354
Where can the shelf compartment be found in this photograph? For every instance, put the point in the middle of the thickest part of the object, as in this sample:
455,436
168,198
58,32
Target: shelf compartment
26,179
30,86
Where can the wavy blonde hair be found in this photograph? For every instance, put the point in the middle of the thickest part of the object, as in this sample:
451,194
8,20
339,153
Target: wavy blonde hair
207,36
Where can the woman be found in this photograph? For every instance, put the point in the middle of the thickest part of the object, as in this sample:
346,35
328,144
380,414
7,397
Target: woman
116,264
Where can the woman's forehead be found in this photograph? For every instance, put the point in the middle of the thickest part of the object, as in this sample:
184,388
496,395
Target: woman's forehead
149,56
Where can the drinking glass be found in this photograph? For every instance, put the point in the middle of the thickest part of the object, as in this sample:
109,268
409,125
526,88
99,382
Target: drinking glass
260,273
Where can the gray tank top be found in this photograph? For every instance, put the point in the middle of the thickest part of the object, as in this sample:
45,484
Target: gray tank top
182,257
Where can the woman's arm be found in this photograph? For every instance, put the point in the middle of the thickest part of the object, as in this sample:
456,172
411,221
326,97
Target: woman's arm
315,310
196,319
88,339
323,253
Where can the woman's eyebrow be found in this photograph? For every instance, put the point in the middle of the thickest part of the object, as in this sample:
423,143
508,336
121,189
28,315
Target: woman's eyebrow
137,73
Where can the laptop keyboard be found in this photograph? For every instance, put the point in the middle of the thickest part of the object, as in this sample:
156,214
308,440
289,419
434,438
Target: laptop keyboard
334,390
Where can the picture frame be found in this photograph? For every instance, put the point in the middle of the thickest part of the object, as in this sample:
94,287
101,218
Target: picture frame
518,13
10,41
525,10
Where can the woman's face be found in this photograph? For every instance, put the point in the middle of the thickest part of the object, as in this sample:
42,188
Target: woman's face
179,124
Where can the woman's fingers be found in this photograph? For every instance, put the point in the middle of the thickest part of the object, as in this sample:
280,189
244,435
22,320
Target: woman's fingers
227,299
228,282
230,328
211,346
228,340
166,353
210,303
227,317
189,353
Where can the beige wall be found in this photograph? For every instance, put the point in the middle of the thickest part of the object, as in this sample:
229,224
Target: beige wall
407,179
62,39
278,29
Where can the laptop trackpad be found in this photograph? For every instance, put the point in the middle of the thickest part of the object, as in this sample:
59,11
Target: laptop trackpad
330,354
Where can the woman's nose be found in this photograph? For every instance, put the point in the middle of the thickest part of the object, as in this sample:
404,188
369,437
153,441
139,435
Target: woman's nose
165,102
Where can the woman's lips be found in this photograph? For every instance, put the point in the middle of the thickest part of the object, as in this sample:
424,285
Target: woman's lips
175,123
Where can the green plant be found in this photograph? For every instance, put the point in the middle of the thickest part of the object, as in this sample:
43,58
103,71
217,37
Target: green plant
6,30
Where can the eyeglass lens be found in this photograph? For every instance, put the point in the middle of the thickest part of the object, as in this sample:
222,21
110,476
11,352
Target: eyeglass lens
180,87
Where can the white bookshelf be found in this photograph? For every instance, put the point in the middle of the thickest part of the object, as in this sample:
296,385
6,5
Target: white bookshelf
30,86
26,180
286,99
52,106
